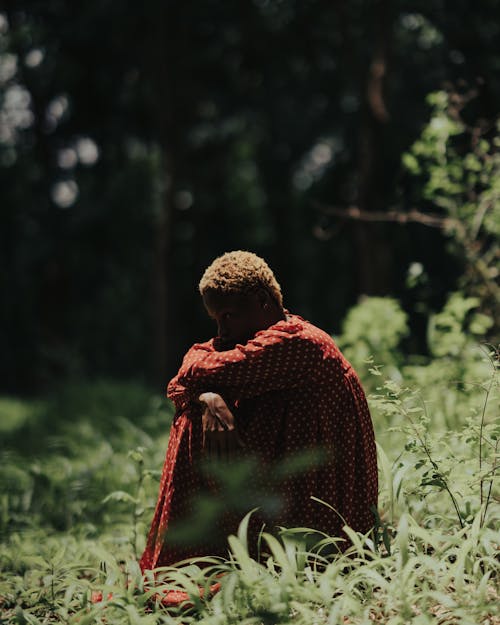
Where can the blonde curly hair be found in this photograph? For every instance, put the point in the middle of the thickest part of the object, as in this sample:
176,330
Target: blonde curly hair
240,273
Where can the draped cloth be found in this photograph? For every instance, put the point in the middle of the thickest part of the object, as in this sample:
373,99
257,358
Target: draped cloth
291,390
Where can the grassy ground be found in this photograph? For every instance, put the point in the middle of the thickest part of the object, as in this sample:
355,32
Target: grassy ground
79,477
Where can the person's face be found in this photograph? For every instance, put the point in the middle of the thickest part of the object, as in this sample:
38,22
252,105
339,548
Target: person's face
238,317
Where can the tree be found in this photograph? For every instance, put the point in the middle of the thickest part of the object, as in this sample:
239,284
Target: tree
150,139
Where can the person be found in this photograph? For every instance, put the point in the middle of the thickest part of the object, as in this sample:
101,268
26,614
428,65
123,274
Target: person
271,387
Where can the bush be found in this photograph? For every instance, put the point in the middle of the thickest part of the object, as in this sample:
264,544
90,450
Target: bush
431,556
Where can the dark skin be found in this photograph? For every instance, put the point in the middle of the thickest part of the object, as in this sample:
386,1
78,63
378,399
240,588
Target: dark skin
238,318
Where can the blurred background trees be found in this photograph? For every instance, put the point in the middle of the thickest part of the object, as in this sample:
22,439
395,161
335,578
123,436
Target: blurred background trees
139,142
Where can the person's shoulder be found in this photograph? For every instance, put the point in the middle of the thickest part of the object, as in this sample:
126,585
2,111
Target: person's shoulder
301,334
309,331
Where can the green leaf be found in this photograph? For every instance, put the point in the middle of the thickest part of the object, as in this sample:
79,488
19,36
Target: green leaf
120,495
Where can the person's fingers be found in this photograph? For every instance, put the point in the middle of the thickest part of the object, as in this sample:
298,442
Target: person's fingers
221,425
205,419
210,423
211,400
226,416
223,412
217,406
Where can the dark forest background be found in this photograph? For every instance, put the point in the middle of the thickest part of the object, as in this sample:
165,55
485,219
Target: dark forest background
140,140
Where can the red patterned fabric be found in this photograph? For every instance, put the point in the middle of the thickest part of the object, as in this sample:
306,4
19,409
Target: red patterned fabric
291,390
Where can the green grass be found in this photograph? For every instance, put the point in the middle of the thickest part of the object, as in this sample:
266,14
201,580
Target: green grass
79,478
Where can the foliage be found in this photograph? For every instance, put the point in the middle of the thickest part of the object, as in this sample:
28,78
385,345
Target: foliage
456,358
133,151
432,554
114,185
457,165
453,330
57,455
375,326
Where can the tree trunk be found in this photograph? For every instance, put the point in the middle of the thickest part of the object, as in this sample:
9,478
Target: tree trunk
373,250
162,63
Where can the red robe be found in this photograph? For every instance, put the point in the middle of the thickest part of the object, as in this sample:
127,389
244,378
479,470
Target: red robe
291,390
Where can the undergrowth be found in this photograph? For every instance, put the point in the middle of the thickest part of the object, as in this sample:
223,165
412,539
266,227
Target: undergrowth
79,478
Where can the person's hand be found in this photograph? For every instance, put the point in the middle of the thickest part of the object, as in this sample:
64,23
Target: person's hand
217,408
220,438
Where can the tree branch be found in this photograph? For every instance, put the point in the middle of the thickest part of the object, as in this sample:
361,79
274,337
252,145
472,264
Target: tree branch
432,220
393,215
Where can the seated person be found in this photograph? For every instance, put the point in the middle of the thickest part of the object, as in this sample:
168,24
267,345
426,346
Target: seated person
274,386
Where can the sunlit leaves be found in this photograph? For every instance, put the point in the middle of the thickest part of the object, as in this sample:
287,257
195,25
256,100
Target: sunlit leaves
457,167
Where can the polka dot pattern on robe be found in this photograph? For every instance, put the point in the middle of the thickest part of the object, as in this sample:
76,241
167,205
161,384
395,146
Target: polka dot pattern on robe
291,390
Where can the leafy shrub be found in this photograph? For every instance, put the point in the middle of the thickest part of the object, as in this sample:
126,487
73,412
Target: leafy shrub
432,556
456,169
375,327
58,464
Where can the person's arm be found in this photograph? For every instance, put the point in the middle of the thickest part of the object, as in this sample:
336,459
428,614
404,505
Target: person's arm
176,390
273,360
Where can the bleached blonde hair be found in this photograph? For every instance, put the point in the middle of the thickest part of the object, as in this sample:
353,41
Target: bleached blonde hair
239,273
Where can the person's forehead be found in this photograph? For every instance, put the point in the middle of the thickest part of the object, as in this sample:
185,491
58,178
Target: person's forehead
217,301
